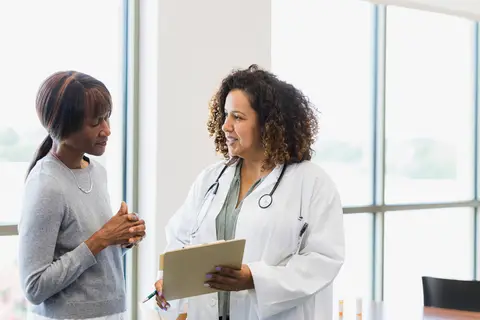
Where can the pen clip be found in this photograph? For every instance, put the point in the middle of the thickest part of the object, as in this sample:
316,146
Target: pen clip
304,228
300,237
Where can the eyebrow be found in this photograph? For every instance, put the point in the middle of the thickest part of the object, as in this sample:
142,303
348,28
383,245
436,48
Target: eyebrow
236,111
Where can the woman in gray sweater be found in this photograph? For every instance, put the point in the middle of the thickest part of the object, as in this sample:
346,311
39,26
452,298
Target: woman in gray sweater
71,245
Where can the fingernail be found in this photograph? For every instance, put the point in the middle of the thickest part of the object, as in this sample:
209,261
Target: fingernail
209,276
218,268
131,230
206,285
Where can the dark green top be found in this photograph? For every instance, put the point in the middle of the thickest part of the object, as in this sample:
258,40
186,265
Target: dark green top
226,223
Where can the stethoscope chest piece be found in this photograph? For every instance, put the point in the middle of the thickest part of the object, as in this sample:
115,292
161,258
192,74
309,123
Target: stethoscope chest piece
265,201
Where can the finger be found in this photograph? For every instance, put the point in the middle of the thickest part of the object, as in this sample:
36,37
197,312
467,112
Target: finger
159,287
162,303
222,280
138,235
137,223
123,209
219,286
129,224
228,272
135,240
132,217
137,229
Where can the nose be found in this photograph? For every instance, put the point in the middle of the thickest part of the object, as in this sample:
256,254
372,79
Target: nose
227,125
105,129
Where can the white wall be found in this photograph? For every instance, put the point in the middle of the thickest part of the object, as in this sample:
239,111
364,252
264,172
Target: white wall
186,48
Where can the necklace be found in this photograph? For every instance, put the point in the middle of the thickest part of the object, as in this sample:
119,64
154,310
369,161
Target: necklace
75,177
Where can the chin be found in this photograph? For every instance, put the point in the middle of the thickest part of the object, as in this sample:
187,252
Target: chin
97,152
233,154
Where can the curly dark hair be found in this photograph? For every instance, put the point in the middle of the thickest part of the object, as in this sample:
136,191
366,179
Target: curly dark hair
287,119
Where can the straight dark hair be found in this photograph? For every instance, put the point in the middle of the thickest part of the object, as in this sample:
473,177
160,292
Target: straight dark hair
63,101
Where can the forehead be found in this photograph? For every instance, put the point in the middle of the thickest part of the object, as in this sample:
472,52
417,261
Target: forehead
237,100
98,103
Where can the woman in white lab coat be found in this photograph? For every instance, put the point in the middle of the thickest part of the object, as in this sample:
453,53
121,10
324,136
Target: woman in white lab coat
265,128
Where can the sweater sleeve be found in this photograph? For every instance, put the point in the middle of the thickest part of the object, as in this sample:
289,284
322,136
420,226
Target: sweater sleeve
43,210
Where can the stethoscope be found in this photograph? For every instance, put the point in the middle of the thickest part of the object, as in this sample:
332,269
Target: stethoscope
264,202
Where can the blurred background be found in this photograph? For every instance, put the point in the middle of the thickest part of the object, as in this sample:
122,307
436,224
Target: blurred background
397,89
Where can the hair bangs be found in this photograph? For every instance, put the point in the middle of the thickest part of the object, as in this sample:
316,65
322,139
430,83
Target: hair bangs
98,102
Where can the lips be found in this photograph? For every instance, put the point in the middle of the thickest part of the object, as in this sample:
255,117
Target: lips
231,140
102,143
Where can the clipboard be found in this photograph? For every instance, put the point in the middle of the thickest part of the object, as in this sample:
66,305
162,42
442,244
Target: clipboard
185,270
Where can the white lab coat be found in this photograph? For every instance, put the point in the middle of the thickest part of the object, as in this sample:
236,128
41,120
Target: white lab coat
288,285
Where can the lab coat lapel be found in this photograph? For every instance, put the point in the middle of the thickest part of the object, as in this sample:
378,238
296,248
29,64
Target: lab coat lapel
250,207
267,185
223,188
210,234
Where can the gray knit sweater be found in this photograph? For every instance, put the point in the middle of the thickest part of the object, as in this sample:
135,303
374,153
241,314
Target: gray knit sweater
59,274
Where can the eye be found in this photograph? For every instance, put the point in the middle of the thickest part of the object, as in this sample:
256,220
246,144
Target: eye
98,121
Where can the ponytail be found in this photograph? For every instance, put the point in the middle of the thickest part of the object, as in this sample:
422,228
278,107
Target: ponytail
42,151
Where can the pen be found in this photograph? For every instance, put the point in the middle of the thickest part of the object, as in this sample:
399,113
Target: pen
304,228
300,237
150,296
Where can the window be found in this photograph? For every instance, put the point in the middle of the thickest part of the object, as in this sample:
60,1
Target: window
439,244
50,36
355,278
325,50
429,114
397,92
332,66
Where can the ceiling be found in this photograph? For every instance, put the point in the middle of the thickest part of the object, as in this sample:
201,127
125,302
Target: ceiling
464,8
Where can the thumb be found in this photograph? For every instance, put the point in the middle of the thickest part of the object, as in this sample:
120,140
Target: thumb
123,209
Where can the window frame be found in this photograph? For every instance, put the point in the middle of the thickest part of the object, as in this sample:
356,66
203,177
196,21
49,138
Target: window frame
379,207
129,153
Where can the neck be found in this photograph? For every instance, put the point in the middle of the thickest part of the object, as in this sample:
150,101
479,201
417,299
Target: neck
253,169
70,158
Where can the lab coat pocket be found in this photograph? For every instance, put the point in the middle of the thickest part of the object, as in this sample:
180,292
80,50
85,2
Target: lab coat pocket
287,239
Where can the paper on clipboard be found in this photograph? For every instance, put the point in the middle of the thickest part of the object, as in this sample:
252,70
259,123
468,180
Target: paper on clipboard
185,270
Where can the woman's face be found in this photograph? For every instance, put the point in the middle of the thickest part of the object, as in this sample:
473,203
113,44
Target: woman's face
92,138
241,127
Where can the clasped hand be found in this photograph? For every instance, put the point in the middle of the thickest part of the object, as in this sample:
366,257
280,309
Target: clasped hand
124,229
137,230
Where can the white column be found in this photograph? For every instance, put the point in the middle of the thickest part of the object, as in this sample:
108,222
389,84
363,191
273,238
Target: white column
186,48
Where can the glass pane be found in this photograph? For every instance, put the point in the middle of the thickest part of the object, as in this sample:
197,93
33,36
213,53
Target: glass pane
429,115
13,305
325,49
355,278
59,38
436,243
